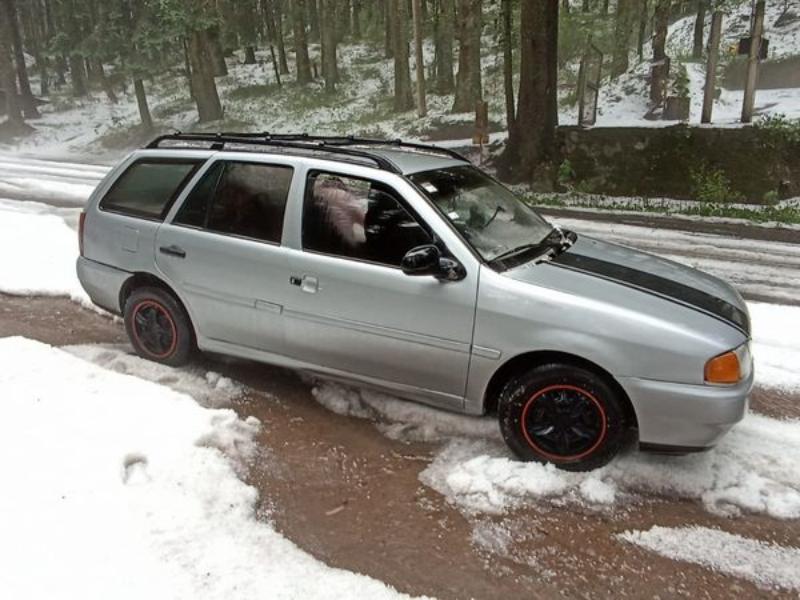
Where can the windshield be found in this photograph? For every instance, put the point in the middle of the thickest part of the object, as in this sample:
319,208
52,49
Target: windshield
489,216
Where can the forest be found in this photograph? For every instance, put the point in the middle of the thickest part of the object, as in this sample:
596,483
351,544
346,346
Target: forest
520,56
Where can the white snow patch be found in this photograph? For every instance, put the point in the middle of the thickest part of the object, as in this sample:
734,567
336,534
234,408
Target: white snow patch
763,563
115,487
400,419
208,388
776,348
754,469
37,253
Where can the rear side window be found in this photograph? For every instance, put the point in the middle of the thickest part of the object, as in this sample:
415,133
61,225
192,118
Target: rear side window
148,187
239,198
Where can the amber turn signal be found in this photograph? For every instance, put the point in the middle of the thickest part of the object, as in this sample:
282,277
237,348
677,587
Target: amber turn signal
724,368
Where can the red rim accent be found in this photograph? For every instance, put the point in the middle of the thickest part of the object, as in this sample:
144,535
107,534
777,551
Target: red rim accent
558,457
160,308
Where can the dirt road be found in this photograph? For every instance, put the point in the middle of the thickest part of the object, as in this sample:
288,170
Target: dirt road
351,496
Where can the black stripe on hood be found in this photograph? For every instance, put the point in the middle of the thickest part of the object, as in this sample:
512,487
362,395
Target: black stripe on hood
656,285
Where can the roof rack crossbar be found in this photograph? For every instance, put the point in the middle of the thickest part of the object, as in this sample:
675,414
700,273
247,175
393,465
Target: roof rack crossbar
304,141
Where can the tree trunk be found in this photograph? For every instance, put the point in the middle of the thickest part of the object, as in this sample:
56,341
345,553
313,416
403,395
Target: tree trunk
699,29
398,17
77,71
209,107
274,16
217,54
343,15
250,55
104,82
356,27
141,101
644,20
445,19
303,65
623,30
419,58
8,81
328,43
660,70
508,64
388,27
537,114
468,81
26,95
315,11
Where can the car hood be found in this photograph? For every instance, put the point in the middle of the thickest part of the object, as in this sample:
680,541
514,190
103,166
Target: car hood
653,275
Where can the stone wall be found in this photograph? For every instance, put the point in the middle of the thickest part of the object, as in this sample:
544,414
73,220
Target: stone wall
659,161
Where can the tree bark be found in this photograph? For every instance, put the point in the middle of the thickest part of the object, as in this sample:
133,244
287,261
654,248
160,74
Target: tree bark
356,27
26,95
623,30
141,101
699,27
217,54
419,58
328,43
660,70
273,13
206,96
445,20
508,65
8,81
398,17
468,80
644,20
537,114
303,63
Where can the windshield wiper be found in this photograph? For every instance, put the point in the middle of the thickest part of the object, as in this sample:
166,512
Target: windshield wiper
554,243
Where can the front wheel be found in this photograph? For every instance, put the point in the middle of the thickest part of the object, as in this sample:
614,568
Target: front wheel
563,415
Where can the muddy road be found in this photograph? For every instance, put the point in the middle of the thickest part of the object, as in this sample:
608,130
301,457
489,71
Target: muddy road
351,496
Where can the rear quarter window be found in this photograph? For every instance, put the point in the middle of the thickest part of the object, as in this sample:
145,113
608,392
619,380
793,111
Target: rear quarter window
149,186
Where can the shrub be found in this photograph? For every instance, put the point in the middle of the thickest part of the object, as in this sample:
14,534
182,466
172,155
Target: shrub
712,186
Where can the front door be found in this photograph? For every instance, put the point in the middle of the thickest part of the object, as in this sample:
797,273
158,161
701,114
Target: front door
222,251
352,309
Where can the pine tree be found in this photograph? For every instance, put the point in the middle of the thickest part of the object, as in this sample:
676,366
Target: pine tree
534,128
469,89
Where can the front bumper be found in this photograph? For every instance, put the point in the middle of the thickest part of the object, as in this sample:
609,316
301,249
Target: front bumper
680,415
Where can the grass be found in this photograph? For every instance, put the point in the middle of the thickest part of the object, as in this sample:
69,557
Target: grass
786,215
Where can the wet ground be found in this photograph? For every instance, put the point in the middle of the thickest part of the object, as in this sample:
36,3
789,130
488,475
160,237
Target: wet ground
351,496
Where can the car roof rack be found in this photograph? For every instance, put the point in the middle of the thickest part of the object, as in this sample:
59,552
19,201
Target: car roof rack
349,146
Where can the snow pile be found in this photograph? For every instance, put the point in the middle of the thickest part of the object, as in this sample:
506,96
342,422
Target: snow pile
38,252
776,349
765,564
208,388
61,183
754,469
115,487
401,419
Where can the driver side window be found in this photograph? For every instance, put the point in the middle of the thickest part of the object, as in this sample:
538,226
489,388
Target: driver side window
358,218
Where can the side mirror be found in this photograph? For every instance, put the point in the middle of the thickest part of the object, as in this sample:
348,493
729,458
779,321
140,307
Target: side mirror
428,260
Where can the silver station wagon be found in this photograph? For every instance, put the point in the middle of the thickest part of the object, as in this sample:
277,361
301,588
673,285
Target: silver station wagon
405,268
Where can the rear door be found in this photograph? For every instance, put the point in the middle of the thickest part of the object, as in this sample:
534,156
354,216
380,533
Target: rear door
222,249
352,308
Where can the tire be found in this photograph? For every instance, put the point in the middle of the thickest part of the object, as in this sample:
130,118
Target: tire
562,414
158,327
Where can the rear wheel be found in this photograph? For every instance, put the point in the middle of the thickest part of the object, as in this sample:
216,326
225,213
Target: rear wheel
158,327
564,415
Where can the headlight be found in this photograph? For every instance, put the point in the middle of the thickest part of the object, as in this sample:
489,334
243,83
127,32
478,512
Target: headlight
730,367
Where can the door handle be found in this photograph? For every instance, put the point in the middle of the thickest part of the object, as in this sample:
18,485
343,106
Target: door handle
306,283
173,250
